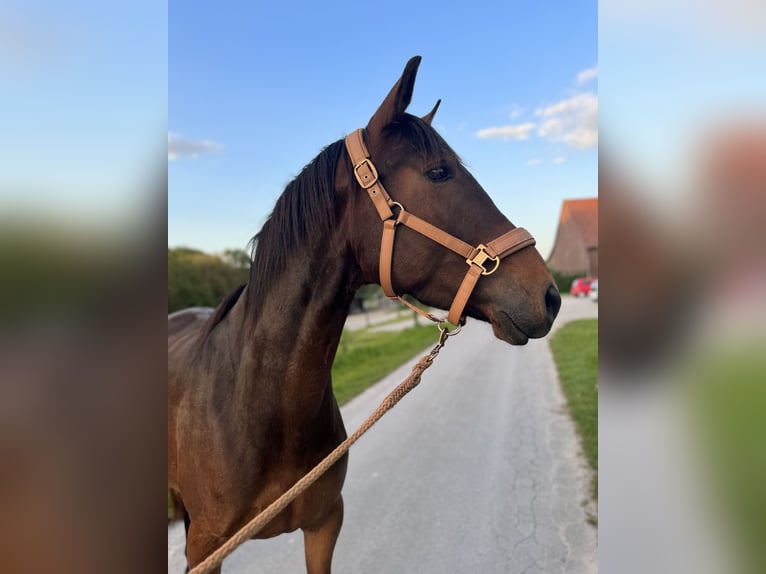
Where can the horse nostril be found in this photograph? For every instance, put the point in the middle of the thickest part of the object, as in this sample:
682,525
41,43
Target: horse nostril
552,303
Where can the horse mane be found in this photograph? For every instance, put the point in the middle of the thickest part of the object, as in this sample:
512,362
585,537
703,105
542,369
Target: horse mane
220,312
305,210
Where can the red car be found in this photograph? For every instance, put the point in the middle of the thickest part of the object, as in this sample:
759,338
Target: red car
581,286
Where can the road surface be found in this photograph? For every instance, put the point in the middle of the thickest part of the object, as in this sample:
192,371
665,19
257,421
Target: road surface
477,470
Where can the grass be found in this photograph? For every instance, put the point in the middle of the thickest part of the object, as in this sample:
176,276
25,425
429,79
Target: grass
364,357
575,351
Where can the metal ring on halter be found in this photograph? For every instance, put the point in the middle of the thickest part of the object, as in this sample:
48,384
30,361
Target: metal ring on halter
444,333
400,206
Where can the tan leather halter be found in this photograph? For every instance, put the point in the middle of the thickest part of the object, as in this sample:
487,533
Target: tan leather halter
481,260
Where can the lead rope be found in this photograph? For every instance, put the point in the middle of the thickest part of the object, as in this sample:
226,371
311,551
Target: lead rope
270,512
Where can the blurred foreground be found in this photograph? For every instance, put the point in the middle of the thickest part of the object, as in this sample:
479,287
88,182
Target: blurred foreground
683,371
682,379
83,87
682,409
82,397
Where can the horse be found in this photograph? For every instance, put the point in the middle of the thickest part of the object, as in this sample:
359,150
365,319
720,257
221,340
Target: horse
250,401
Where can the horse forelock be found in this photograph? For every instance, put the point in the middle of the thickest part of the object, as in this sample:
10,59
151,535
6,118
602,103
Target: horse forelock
419,136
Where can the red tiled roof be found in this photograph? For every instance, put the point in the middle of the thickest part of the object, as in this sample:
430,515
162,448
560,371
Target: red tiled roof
575,249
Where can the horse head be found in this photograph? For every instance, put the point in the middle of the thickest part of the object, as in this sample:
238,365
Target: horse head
420,173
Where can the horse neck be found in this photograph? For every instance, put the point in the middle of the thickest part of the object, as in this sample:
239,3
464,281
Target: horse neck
290,340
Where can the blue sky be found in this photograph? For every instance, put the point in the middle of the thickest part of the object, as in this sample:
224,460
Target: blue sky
255,90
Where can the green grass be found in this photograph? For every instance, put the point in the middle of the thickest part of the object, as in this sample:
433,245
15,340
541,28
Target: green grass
364,357
575,351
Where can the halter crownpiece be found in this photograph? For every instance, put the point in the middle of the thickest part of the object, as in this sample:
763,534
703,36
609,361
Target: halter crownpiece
481,260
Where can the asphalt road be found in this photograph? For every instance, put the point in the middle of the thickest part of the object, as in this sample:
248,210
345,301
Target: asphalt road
477,470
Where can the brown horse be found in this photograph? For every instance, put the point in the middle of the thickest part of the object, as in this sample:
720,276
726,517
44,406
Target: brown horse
250,404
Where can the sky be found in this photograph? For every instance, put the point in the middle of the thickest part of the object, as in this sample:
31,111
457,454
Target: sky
257,89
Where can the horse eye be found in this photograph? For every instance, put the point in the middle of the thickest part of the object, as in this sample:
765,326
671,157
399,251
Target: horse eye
438,174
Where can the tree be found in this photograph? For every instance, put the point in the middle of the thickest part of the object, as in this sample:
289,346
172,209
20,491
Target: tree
237,258
198,279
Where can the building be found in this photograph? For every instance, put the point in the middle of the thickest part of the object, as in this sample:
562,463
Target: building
575,250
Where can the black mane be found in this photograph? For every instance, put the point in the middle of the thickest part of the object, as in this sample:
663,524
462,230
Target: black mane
305,210
220,312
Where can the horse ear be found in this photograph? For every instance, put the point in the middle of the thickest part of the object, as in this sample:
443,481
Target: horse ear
429,117
397,99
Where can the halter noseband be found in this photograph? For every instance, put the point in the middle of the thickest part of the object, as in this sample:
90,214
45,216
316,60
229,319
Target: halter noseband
481,260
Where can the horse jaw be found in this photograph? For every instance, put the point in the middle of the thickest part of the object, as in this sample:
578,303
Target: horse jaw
506,329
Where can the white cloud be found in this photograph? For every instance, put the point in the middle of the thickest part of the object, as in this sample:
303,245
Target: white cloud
587,75
516,111
534,162
179,147
573,121
559,160
518,132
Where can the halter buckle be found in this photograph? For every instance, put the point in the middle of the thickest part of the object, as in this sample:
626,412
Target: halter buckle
365,173
481,258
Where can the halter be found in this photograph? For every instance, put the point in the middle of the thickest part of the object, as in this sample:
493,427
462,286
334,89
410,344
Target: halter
481,260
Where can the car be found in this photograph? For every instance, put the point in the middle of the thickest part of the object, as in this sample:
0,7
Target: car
594,291
581,286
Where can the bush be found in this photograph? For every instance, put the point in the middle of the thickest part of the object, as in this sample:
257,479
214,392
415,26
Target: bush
198,279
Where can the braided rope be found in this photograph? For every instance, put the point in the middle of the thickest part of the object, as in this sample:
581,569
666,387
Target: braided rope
270,512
